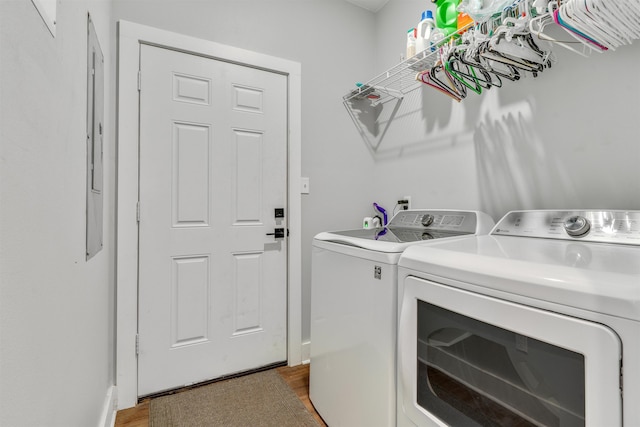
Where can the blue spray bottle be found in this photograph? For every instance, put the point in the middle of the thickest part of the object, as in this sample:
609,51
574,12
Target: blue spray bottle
383,212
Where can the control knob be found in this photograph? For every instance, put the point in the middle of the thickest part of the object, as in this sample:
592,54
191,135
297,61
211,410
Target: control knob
427,220
577,226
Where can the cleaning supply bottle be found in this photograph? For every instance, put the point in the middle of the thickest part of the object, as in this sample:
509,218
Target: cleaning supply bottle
464,20
447,15
383,211
423,31
411,43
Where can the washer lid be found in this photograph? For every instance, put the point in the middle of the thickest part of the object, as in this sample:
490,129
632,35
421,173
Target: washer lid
411,227
599,277
384,239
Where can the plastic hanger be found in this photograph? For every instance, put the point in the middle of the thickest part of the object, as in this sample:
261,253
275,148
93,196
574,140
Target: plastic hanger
488,79
507,45
614,20
469,55
537,26
573,17
580,36
463,76
425,77
512,62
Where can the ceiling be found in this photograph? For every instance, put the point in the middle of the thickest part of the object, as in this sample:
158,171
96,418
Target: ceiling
372,5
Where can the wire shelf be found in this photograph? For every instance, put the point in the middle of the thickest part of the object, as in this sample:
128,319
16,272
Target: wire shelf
400,79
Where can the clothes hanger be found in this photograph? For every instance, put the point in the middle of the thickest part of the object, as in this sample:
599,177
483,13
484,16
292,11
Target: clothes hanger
512,44
469,54
573,16
521,48
513,62
472,71
540,22
501,69
445,85
442,78
498,68
425,77
577,34
610,22
507,44
467,77
489,79
614,19
456,87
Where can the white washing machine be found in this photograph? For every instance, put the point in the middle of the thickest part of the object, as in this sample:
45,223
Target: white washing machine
536,324
354,312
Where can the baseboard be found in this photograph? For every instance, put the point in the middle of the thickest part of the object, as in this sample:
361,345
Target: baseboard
306,352
108,417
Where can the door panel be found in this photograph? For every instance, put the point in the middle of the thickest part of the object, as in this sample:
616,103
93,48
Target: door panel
248,172
212,283
190,175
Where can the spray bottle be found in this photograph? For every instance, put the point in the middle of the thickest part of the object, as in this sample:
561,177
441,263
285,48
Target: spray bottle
383,211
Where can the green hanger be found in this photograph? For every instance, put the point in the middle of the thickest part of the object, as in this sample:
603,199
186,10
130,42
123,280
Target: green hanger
477,88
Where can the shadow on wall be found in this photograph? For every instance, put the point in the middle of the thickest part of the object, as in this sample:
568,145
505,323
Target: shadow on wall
434,114
419,123
370,121
514,168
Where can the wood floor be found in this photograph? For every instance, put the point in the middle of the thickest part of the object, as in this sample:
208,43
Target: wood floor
297,377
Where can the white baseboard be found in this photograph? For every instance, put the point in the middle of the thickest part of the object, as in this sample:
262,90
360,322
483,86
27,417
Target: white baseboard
108,417
306,352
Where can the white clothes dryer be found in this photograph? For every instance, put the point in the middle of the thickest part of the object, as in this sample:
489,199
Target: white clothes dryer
354,312
536,324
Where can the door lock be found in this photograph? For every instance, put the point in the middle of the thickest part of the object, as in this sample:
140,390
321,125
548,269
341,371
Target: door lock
278,233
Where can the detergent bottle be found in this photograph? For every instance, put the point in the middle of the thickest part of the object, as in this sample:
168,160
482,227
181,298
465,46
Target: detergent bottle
447,15
423,31
411,43
464,20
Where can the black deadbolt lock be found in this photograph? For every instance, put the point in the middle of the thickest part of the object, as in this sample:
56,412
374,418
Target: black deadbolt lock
279,213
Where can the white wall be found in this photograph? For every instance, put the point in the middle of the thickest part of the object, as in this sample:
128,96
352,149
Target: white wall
334,42
566,139
56,309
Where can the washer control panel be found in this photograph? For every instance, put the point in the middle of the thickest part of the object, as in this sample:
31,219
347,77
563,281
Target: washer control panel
602,226
439,220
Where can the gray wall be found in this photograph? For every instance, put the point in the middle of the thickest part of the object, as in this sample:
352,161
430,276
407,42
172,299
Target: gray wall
56,309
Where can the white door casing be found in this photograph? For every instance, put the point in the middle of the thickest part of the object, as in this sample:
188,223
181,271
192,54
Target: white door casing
130,38
212,281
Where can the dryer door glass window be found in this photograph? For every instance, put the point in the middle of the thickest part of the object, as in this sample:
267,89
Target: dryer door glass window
473,373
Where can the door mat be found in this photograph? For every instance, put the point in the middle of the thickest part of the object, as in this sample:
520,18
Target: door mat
260,399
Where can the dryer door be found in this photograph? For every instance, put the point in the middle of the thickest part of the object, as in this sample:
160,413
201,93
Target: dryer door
472,360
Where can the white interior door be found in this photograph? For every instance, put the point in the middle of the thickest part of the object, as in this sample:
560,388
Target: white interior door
212,283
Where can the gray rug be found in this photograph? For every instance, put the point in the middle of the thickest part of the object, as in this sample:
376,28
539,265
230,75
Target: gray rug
260,399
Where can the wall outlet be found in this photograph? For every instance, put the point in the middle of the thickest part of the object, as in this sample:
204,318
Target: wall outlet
408,199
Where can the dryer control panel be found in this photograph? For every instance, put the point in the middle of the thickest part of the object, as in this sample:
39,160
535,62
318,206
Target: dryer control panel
434,219
614,226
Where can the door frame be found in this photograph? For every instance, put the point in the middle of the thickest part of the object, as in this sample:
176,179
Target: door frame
129,38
